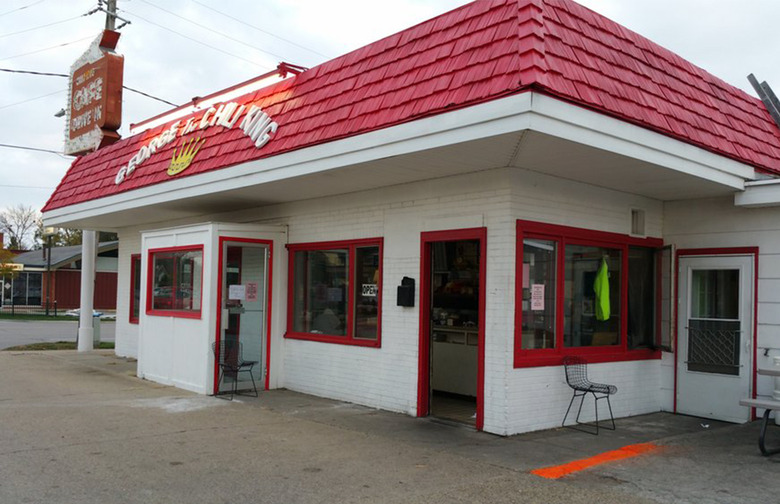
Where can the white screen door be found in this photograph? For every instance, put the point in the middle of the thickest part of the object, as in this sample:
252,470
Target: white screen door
715,335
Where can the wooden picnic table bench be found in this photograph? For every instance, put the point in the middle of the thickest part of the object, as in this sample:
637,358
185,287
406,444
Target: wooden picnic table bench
768,405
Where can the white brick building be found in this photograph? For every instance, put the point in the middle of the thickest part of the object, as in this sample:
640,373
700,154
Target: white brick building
499,156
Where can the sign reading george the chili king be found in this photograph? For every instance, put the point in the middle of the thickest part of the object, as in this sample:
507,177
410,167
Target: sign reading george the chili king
94,111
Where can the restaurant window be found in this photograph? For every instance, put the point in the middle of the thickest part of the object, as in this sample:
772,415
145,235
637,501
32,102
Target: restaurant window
175,282
592,296
135,287
643,309
583,292
539,284
335,292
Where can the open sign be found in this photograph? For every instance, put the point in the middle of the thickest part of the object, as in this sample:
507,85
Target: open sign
369,290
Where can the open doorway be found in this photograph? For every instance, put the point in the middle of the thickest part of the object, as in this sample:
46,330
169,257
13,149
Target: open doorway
452,332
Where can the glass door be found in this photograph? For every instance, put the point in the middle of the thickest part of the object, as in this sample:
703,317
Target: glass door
243,318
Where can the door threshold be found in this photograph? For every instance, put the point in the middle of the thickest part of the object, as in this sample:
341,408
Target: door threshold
451,423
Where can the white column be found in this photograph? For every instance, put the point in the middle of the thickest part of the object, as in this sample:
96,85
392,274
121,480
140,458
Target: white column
88,255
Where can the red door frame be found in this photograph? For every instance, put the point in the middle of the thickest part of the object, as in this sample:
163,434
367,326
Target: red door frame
424,364
269,290
716,252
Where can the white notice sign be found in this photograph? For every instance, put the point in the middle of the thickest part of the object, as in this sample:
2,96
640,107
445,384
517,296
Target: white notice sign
369,290
537,297
237,292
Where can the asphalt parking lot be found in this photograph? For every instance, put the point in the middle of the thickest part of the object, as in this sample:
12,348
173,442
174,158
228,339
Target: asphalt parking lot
23,332
81,428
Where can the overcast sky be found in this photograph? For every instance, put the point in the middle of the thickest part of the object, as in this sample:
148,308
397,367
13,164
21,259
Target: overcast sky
178,49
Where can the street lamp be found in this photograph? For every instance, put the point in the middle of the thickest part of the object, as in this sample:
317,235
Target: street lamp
48,232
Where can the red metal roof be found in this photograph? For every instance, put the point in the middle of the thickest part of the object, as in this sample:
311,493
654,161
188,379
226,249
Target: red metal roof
479,52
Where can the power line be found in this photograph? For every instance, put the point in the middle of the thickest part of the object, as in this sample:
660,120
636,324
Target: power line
149,96
27,187
22,147
47,48
30,72
41,26
282,58
48,74
197,41
21,8
260,29
32,99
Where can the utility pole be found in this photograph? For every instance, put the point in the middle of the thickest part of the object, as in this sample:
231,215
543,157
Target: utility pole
110,14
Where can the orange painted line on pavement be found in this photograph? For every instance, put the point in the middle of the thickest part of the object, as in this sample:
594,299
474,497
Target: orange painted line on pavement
629,451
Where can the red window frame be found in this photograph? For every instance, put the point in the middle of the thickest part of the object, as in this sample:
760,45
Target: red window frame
135,267
351,246
193,314
565,235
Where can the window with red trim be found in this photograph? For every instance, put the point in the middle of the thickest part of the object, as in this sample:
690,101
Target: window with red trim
335,292
135,287
175,282
584,292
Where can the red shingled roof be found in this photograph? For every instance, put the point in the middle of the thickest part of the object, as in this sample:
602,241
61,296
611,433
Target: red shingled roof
482,51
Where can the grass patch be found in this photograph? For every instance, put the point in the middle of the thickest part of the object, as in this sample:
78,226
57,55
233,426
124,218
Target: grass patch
57,345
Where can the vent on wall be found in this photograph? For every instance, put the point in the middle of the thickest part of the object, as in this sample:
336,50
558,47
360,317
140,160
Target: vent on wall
637,222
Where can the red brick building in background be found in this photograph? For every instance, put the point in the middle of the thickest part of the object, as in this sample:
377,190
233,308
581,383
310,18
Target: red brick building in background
29,288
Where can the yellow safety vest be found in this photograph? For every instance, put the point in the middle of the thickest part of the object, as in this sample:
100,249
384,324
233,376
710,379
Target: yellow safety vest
601,287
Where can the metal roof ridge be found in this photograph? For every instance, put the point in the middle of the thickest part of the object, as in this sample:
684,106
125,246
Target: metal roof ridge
531,31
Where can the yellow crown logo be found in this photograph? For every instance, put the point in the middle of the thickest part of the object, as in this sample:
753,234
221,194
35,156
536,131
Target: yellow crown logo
182,160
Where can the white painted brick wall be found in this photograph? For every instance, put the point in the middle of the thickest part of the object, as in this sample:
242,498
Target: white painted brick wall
516,400
126,333
537,397
717,223
387,377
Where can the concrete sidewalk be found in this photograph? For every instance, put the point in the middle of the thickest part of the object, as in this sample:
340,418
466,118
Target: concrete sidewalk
81,428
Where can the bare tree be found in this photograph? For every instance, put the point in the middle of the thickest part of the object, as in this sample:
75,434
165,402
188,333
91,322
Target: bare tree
19,223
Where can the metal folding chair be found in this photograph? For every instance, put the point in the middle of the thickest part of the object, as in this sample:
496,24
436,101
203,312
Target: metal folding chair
229,356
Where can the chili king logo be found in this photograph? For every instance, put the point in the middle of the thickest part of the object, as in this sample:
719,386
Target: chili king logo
256,124
182,160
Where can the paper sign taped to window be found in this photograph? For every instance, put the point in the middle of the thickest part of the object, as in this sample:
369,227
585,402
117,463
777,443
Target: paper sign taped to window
537,297
369,290
251,292
237,292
